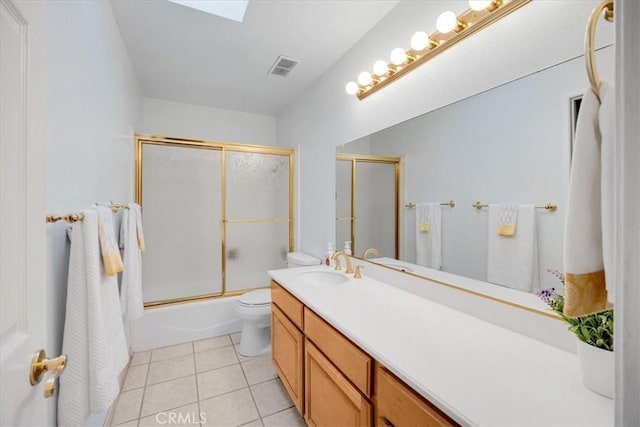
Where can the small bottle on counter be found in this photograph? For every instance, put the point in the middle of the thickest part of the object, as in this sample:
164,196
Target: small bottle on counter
347,247
328,260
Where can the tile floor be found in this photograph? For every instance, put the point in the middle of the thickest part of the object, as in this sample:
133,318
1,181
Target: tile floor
205,383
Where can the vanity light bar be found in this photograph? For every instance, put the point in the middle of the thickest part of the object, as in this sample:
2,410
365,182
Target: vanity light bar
451,29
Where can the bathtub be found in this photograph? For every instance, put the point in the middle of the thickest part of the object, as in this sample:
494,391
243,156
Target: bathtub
175,324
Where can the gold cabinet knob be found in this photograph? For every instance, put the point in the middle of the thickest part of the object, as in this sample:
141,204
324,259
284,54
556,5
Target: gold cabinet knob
40,364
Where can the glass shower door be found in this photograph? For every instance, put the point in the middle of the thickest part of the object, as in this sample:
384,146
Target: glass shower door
258,217
182,210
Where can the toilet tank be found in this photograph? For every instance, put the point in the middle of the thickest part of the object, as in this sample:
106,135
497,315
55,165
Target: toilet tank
300,259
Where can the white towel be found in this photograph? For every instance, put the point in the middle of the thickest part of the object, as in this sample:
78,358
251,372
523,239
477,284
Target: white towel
93,340
429,235
131,287
108,243
507,219
512,261
589,219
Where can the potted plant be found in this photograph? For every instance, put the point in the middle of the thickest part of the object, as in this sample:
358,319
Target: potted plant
594,335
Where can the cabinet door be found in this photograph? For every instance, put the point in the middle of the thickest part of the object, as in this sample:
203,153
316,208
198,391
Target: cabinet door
330,399
398,406
287,355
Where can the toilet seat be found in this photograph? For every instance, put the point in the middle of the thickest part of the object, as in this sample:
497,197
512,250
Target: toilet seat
257,298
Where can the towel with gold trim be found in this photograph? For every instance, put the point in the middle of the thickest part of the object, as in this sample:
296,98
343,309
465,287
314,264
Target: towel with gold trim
507,219
108,243
588,222
137,212
422,213
429,235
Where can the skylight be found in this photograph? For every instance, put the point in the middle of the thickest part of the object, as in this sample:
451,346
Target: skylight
230,9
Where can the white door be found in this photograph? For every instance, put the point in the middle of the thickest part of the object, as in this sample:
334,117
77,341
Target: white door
22,228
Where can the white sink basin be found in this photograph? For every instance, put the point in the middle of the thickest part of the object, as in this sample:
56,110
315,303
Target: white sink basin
320,278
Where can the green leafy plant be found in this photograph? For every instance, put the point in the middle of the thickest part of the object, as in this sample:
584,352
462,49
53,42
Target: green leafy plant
595,329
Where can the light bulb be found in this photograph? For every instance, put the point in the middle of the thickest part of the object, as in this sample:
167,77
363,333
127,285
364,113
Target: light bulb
446,22
479,5
420,41
380,68
364,78
351,88
398,56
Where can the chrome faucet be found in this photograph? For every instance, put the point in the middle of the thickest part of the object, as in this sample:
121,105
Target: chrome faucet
348,261
372,251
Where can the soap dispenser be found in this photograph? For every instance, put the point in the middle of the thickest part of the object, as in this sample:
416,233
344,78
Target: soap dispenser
347,247
328,260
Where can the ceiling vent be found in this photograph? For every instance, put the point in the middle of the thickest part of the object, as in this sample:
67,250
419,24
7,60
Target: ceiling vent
283,66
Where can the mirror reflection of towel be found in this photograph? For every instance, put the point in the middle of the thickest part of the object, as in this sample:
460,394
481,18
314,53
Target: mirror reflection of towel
507,219
429,235
512,261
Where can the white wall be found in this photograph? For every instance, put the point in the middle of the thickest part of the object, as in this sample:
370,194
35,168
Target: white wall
461,152
176,119
541,34
91,106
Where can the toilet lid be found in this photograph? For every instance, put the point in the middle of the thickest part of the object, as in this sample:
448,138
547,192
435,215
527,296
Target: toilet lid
259,297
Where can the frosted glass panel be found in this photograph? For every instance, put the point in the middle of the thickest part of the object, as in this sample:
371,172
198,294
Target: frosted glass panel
252,250
376,208
181,208
257,185
343,188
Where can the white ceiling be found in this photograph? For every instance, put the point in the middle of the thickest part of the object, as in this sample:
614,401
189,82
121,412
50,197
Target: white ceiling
185,55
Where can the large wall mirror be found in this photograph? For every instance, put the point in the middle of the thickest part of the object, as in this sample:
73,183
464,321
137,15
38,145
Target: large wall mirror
511,144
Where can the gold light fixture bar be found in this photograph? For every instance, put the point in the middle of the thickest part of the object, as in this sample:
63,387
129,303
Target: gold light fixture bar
551,207
467,23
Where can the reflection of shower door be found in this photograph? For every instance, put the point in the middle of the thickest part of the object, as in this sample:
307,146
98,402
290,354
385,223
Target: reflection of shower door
367,197
205,199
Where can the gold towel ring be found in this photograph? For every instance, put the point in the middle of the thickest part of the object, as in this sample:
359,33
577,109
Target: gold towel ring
589,42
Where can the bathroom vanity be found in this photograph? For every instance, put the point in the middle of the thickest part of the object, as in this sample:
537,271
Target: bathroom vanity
360,352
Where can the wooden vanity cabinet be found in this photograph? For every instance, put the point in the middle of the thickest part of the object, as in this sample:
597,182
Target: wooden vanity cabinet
331,380
330,399
397,405
287,343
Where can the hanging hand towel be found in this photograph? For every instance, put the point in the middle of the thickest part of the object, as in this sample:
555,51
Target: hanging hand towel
93,338
130,237
108,244
429,235
513,260
507,219
589,220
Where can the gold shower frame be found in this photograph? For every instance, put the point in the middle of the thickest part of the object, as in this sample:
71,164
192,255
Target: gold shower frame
223,147
364,158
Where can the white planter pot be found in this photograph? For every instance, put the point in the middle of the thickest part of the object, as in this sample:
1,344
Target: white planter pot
597,367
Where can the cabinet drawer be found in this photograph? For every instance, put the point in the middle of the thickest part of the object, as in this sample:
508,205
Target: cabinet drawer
397,405
287,355
354,363
287,303
331,400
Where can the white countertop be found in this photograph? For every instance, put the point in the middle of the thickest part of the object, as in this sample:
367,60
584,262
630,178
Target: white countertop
474,371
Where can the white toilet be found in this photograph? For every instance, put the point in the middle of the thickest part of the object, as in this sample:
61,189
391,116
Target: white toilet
254,310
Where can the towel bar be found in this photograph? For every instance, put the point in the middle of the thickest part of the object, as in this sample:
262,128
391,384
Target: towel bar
551,207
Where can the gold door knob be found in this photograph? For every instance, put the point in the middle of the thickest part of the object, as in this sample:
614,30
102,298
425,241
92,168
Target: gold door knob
40,364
